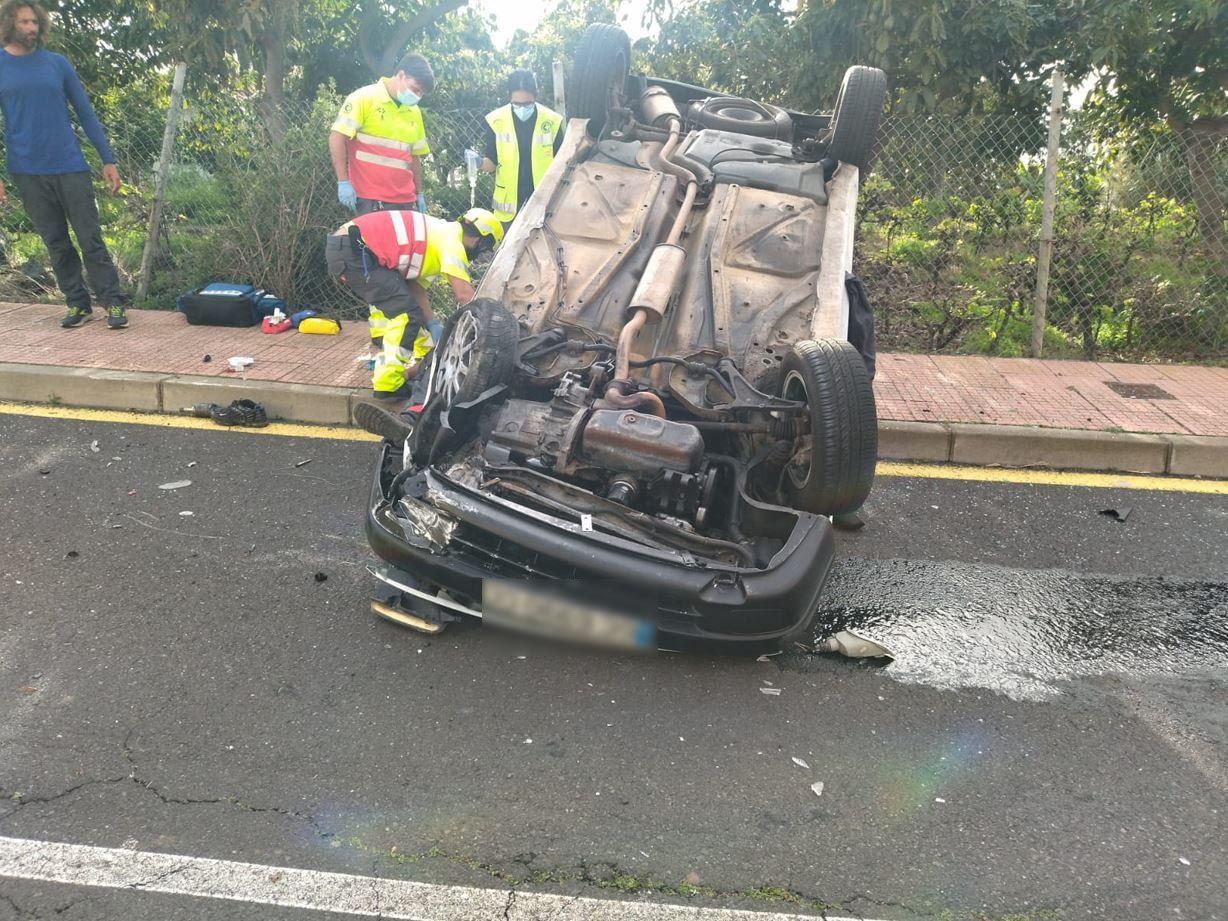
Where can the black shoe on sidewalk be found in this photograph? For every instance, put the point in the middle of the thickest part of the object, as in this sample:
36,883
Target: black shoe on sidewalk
378,421
76,316
116,317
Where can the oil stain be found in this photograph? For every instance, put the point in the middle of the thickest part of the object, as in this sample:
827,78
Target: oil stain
1026,633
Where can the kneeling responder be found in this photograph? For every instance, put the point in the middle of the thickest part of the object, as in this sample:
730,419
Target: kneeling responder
390,258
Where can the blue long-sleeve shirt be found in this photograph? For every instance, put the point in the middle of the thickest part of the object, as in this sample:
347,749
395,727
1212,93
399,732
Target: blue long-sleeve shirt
35,91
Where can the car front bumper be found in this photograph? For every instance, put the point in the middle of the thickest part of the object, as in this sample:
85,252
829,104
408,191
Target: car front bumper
695,604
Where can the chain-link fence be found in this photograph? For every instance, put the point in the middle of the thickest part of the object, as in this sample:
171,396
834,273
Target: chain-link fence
950,219
951,216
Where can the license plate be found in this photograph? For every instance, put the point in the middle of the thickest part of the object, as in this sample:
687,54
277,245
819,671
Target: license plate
559,612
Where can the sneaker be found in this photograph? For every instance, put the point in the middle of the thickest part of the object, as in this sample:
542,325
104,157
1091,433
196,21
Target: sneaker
116,317
378,421
76,316
240,412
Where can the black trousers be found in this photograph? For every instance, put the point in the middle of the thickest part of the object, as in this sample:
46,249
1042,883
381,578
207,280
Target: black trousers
54,202
367,205
374,284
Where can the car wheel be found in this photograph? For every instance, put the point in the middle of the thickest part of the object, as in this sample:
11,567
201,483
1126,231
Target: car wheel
832,467
859,109
478,352
599,74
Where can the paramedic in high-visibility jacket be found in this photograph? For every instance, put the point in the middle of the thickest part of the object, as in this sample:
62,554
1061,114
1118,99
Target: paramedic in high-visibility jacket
389,259
522,138
378,140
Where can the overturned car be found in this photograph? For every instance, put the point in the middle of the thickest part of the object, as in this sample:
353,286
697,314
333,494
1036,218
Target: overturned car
638,430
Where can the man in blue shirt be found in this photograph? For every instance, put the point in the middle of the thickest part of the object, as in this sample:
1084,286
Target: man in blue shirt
46,162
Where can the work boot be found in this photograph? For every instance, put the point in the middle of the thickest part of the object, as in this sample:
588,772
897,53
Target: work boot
401,393
76,316
116,317
378,421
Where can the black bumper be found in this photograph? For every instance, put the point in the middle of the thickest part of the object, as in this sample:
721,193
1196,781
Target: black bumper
696,605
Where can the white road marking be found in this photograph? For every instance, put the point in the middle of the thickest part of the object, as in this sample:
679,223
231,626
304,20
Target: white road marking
340,893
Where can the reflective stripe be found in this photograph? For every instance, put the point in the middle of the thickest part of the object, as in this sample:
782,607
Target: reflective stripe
421,147
383,142
403,264
452,262
505,138
398,224
544,139
419,220
415,263
506,207
367,157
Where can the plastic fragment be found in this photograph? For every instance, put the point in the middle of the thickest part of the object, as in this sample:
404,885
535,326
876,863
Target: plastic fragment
94,447
800,763
850,644
186,514
176,484
1184,862
771,692
817,788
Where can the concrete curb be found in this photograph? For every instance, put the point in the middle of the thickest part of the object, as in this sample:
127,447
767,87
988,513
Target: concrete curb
925,442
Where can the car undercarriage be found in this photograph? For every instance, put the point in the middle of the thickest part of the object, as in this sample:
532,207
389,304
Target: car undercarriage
637,402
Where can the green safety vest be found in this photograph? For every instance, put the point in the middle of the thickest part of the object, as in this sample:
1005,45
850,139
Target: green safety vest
503,123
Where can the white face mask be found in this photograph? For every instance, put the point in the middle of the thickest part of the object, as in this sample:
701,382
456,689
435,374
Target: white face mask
524,113
408,98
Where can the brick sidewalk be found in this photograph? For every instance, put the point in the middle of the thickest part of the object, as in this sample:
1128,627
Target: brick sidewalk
161,341
1090,396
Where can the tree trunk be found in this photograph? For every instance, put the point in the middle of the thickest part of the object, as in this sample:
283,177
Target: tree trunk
381,56
272,41
1203,142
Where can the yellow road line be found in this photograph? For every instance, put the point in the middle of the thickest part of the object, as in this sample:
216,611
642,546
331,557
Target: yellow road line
1053,478
885,468
285,429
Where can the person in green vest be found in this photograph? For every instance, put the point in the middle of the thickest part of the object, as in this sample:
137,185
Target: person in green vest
521,141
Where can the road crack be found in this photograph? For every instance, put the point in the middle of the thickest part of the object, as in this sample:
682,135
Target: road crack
232,801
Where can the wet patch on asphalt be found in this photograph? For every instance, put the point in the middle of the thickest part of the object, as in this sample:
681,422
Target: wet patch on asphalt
1025,633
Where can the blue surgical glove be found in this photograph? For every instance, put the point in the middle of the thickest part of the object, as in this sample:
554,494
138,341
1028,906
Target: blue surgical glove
420,204
346,194
435,328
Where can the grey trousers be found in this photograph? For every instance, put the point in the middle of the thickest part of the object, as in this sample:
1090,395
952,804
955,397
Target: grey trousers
54,202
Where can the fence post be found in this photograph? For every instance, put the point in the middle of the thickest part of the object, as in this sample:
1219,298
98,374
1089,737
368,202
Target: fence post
163,170
1046,220
560,95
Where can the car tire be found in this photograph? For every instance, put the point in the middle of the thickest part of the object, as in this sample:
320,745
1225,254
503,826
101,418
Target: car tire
599,74
836,474
478,351
855,121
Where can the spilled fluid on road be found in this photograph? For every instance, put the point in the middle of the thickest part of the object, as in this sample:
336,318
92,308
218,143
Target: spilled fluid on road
1025,633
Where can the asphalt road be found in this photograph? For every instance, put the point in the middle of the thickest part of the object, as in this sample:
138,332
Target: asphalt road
1049,743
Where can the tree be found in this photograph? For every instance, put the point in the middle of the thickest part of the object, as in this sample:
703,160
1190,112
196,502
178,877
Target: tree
1165,59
